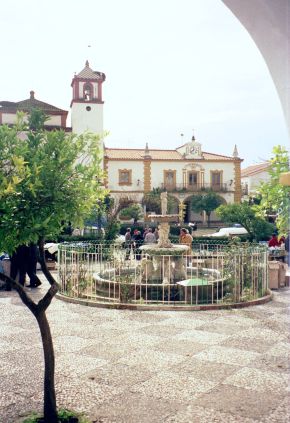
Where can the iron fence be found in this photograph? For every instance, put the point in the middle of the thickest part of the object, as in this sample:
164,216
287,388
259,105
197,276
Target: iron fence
181,187
209,274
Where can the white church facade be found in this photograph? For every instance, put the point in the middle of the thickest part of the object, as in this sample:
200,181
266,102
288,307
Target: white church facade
182,172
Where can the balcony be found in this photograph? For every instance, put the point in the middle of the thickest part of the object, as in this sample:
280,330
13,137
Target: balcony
196,187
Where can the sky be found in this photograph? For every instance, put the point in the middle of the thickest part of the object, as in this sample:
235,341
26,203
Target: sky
172,67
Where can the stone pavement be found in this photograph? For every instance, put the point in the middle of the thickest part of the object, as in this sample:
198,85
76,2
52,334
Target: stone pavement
146,367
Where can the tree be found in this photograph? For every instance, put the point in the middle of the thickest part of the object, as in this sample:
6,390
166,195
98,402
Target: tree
46,179
244,214
275,196
111,208
152,202
131,212
207,202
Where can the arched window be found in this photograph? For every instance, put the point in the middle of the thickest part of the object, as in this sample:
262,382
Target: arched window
88,92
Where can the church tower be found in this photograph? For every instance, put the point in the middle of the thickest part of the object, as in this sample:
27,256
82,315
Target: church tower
87,102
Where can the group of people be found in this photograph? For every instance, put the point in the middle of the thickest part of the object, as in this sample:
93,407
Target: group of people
24,261
279,242
133,241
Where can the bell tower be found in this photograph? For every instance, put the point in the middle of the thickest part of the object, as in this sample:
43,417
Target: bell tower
87,102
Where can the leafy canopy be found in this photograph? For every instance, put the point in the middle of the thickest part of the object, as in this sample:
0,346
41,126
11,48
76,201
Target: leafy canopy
207,202
47,178
152,202
244,214
274,196
133,211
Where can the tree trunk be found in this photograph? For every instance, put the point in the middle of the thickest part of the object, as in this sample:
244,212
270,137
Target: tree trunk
49,411
208,220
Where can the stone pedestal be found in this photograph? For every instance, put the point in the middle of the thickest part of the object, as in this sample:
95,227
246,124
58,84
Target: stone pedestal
274,274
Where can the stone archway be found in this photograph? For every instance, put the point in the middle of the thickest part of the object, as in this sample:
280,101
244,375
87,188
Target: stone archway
268,23
173,204
191,216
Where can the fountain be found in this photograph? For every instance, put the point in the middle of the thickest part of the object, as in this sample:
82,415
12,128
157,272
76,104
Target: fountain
166,274
163,261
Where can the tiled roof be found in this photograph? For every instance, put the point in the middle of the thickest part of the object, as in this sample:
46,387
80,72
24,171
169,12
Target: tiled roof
138,154
133,154
254,169
27,105
88,73
212,156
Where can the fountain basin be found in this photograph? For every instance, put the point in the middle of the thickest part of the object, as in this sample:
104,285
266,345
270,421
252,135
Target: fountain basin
173,250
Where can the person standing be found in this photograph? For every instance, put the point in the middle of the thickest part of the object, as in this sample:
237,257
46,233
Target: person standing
273,242
19,261
137,242
287,247
128,242
150,237
24,260
31,266
185,237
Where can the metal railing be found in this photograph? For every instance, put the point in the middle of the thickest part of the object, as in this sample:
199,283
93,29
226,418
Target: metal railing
196,187
212,274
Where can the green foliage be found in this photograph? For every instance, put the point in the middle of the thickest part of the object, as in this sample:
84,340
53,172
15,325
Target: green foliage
258,228
64,416
36,120
208,202
274,196
152,202
131,212
46,179
112,229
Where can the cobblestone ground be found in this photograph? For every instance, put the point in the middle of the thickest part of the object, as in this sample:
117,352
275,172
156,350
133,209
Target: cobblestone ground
146,367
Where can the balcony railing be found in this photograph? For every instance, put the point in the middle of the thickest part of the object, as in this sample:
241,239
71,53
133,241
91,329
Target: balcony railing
196,187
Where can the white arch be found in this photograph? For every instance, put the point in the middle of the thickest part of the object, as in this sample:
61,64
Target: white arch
268,23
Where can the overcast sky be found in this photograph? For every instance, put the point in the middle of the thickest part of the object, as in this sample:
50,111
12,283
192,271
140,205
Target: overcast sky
171,66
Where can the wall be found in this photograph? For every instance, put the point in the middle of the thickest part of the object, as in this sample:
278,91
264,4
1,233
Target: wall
137,173
10,118
157,169
83,120
255,180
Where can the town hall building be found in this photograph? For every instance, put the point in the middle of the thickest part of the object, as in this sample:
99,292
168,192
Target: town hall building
183,172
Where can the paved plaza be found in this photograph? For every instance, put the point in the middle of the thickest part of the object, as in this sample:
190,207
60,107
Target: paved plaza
126,366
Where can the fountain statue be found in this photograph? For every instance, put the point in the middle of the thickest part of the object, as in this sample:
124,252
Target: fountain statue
164,261
166,271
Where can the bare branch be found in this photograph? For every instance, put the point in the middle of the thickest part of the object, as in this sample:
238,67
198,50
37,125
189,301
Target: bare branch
46,300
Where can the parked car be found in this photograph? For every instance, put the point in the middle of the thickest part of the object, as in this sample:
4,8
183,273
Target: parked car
227,232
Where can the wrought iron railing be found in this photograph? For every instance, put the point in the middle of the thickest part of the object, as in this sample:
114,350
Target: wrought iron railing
208,274
196,187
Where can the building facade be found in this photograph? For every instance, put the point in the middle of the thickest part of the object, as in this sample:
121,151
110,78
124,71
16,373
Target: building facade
183,172
253,176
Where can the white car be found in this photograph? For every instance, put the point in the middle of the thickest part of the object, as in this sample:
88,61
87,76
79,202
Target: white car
233,231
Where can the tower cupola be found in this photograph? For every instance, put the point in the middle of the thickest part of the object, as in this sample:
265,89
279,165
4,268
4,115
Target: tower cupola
87,101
